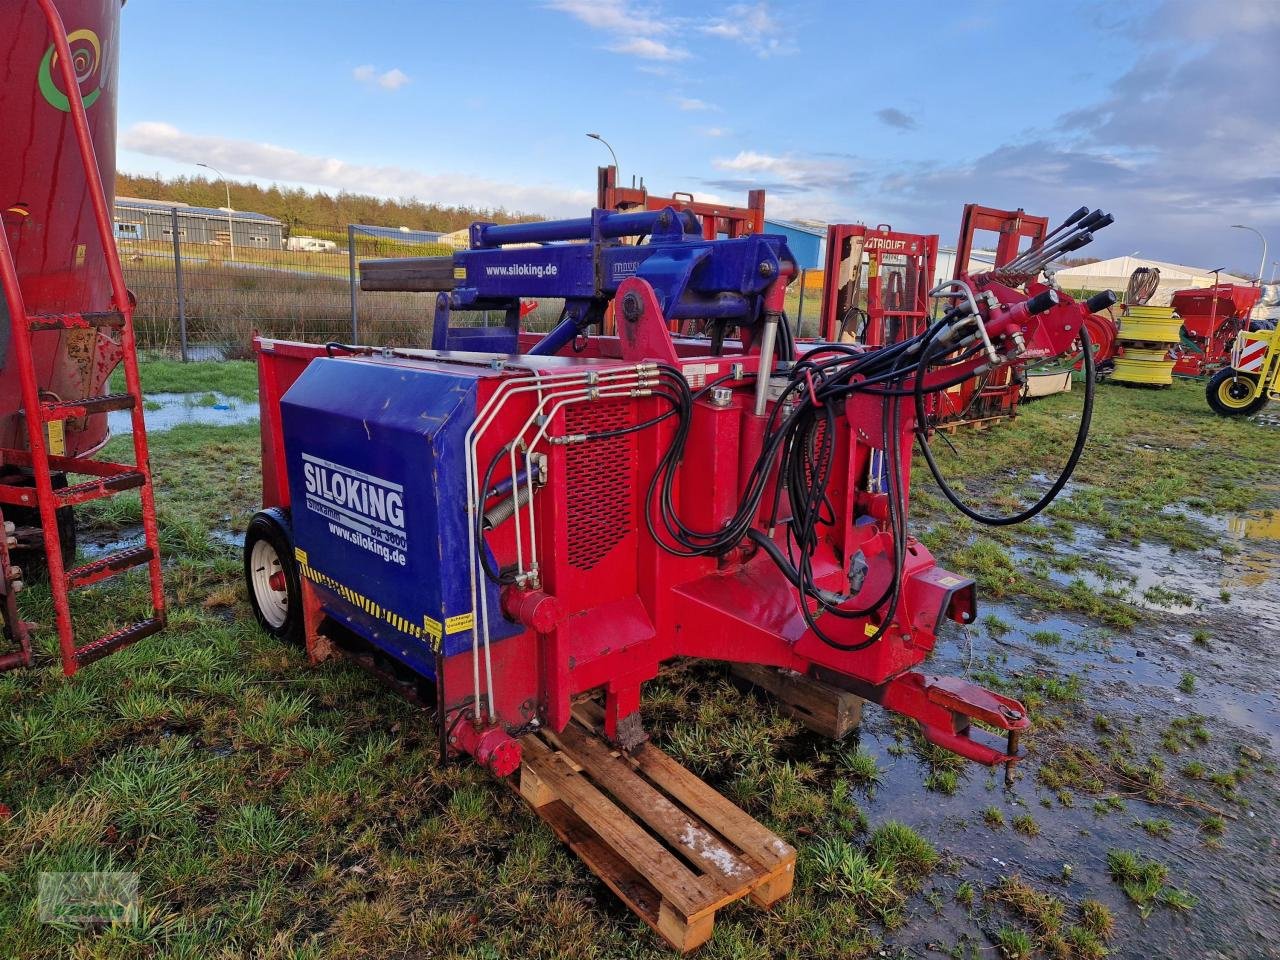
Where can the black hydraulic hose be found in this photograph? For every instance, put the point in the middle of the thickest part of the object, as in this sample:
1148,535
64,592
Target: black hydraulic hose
494,575
1086,416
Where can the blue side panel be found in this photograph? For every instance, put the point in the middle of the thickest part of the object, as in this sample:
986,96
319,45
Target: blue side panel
377,479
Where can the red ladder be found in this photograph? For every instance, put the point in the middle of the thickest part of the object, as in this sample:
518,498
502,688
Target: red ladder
105,478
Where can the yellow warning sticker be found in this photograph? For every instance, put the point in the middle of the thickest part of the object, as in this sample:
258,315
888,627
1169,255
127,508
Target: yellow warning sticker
57,438
949,581
300,555
463,621
431,625
459,273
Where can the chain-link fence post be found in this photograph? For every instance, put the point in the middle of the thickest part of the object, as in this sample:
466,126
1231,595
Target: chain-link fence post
178,284
355,286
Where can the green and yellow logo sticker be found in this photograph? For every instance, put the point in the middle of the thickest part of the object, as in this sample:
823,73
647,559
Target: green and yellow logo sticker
86,62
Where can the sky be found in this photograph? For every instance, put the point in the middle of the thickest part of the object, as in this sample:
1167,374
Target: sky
1164,112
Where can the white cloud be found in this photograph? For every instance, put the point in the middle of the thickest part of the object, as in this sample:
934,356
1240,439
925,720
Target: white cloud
798,185
613,16
1182,145
634,29
271,162
693,104
392,79
752,25
637,26
650,49
715,132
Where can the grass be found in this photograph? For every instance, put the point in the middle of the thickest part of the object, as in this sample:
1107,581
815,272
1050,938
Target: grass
898,847
860,766
274,810
234,378
1014,944
1026,824
1144,462
1143,881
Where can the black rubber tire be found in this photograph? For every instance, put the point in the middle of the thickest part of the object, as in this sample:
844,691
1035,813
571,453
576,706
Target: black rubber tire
1219,382
272,529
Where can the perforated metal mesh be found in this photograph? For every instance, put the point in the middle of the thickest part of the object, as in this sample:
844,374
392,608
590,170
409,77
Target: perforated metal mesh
601,499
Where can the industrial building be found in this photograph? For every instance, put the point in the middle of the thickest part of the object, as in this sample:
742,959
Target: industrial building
137,219
806,238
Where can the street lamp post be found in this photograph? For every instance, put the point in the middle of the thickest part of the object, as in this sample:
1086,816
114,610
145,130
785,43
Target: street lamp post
1262,266
231,228
596,136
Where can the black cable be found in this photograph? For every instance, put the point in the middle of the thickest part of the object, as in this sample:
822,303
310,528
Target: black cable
1082,434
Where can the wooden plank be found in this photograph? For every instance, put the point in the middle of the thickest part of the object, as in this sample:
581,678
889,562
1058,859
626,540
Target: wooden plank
747,833
722,815
732,872
412,274
682,933
676,883
533,790
618,875
821,707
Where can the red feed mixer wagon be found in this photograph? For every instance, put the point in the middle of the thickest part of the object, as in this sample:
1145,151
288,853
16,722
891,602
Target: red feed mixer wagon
524,527
66,317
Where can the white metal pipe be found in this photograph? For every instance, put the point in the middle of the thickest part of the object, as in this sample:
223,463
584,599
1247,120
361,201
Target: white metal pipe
488,413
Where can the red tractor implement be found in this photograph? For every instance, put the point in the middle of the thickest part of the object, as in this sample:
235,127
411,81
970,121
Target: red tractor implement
877,284
527,526
1212,317
68,317
994,395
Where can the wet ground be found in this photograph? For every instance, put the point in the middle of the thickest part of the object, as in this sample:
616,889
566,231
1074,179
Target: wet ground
1195,688
164,411
93,544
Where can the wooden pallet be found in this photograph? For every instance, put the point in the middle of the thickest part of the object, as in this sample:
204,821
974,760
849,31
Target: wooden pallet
821,707
977,423
672,848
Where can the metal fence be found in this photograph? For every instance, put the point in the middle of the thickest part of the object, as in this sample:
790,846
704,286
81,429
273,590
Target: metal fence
205,300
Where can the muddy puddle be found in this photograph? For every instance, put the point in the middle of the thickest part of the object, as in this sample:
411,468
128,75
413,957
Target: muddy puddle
1242,580
1207,652
1132,679
93,544
164,411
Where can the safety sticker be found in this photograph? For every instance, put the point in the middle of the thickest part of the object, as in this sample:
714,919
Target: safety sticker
459,623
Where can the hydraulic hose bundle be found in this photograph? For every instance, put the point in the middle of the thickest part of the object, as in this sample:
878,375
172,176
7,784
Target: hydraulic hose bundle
800,430
801,426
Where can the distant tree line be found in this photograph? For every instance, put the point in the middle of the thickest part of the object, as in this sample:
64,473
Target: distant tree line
295,206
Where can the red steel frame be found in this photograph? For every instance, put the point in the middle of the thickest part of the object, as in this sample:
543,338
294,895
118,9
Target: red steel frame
997,395
109,478
717,219
897,304
609,624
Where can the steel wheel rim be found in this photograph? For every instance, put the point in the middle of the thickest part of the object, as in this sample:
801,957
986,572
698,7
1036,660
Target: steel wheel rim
273,604
1236,392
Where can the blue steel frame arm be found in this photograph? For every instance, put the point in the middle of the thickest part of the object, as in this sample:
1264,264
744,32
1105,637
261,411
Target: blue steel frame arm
692,278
